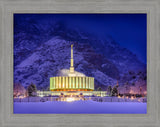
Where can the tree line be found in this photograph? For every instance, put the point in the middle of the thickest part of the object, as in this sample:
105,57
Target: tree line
111,91
20,91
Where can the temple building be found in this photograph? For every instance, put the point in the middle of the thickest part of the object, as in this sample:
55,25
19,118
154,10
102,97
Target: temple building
75,83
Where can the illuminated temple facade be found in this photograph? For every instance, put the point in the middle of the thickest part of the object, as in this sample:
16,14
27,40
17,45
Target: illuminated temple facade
72,82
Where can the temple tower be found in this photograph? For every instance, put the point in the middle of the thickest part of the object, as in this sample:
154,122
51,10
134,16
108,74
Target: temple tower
71,66
73,81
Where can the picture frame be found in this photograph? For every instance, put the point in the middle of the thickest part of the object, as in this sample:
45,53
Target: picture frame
151,8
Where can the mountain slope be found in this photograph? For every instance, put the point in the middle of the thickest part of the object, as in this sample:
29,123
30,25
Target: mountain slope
41,53
53,56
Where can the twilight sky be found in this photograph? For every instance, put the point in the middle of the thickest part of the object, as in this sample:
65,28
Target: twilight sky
129,30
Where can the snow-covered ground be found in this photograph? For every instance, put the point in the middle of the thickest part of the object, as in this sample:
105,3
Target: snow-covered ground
80,107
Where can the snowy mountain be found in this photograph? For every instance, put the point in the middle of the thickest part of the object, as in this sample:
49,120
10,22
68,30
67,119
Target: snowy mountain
42,50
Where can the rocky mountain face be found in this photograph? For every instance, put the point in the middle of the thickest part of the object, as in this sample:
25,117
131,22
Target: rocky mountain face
42,50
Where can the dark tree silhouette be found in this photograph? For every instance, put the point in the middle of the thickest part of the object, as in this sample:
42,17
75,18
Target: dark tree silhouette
32,90
109,90
99,89
114,91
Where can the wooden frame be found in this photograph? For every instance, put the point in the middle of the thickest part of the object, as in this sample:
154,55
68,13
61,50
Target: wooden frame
8,8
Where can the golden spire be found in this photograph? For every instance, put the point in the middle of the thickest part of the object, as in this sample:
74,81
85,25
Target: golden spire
72,67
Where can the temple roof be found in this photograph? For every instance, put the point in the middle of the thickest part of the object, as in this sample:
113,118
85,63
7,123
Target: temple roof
66,72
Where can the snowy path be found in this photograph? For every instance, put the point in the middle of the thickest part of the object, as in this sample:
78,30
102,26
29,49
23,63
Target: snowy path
80,107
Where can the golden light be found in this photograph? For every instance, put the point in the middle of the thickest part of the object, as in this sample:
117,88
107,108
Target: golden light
21,97
131,92
41,95
70,99
145,92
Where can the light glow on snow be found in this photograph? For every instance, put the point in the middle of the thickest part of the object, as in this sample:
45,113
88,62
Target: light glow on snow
70,99
41,95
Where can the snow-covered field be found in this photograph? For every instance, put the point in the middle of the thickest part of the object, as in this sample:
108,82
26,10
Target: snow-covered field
79,107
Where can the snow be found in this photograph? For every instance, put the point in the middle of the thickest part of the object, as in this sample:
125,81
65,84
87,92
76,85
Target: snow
55,41
66,72
80,107
29,61
103,79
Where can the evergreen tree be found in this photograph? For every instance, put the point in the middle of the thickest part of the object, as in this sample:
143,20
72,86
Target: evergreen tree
32,90
109,90
48,88
117,85
99,89
114,91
